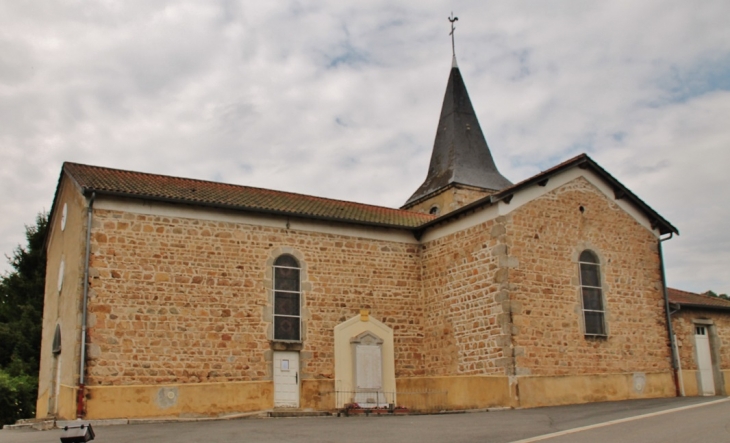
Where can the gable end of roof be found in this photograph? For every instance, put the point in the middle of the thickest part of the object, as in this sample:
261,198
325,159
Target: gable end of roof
582,161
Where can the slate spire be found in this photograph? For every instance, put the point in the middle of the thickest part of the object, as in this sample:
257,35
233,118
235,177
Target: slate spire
460,152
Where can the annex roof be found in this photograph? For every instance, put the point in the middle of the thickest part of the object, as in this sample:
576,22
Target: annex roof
693,300
116,182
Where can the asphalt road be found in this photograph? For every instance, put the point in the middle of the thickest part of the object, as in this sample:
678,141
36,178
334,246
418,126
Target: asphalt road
707,423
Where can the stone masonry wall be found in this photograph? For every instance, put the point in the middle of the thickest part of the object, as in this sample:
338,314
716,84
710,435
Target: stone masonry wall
684,329
546,238
184,300
465,326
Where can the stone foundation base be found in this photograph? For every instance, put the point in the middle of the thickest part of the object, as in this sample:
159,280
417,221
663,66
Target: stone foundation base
181,400
425,394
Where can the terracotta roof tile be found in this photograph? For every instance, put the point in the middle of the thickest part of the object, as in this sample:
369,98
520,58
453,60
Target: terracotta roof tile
184,190
684,298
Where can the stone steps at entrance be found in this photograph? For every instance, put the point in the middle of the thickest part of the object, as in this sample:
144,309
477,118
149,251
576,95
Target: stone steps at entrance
294,412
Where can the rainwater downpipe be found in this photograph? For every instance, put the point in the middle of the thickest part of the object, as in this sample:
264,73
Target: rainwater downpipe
679,360
675,359
81,394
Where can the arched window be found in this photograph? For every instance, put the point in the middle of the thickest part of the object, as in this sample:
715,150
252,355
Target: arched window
592,294
56,347
287,299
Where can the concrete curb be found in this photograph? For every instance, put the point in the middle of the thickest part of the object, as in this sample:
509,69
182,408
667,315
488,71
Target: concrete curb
38,425
256,414
495,409
95,423
45,425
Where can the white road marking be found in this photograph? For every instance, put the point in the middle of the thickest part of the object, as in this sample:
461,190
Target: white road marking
614,422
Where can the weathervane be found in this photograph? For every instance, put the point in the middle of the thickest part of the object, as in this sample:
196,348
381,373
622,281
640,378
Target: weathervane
452,19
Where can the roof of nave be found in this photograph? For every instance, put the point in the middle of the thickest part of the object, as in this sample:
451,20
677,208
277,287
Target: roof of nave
116,182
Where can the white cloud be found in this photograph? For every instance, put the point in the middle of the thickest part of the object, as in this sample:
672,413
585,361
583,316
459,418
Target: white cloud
341,100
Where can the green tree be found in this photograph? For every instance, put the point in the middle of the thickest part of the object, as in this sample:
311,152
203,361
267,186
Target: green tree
17,397
714,294
21,320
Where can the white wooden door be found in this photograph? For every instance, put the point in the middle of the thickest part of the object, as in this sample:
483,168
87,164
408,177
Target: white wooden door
704,361
286,379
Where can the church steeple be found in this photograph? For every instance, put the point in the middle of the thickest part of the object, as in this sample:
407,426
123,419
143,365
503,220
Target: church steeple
460,153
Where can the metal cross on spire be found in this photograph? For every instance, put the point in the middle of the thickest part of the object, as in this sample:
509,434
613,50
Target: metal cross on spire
452,19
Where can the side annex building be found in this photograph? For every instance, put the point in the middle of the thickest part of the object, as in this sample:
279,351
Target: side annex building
169,296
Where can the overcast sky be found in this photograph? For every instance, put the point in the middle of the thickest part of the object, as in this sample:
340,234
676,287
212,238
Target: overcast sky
341,99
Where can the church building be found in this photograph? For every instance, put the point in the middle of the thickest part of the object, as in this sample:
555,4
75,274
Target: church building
169,296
